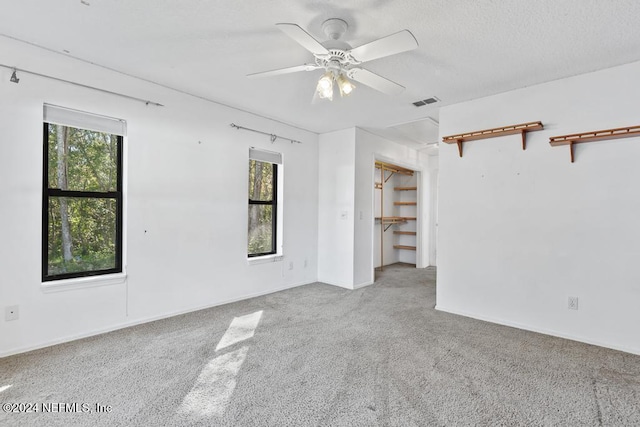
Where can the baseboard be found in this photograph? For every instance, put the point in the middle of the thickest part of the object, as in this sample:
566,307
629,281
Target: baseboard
136,322
539,330
340,285
362,285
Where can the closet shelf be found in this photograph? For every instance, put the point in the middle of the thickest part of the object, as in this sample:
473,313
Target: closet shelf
409,248
405,203
408,233
405,188
393,169
598,135
522,129
392,219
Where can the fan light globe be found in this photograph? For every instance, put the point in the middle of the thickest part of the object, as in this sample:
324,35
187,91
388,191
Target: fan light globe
325,82
325,86
346,87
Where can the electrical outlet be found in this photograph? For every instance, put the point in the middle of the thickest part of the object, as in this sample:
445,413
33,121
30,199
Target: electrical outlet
573,303
11,312
291,265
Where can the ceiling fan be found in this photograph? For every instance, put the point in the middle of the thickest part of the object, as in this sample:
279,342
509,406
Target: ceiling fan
341,62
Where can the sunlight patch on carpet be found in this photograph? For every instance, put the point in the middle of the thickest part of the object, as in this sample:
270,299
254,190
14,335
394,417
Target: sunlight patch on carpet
214,387
4,387
241,328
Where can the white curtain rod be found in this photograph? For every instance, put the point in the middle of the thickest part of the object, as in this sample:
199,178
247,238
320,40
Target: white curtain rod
272,136
147,102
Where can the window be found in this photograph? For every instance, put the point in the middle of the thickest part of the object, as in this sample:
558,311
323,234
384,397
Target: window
264,218
82,194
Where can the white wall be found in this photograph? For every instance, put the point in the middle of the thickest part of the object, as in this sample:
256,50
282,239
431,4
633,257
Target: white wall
336,207
521,231
186,203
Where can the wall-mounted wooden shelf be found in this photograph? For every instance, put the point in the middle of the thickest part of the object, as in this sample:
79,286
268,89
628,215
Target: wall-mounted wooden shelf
409,248
408,233
522,129
405,203
405,188
598,135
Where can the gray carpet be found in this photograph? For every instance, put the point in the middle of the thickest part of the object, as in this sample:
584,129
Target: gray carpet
319,355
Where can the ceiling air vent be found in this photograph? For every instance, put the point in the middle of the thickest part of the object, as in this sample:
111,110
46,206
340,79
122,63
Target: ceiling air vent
426,101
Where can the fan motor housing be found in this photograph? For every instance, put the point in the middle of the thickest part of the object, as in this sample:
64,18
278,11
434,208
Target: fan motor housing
337,59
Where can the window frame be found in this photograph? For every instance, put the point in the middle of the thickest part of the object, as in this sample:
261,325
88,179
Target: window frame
274,212
47,193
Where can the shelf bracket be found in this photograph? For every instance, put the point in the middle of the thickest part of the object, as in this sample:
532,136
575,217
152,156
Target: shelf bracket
389,177
387,227
571,150
459,142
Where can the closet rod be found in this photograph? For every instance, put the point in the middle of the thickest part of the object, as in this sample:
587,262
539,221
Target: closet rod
272,136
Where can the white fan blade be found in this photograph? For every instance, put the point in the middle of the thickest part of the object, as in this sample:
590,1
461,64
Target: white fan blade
375,81
305,67
390,45
303,38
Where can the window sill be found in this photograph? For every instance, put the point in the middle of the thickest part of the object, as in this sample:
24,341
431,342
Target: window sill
83,282
264,259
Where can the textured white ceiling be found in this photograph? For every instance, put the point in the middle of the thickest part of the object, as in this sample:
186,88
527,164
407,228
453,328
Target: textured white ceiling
468,49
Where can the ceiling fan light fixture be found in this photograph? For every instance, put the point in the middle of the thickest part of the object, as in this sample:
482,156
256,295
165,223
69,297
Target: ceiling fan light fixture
326,81
345,85
324,89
